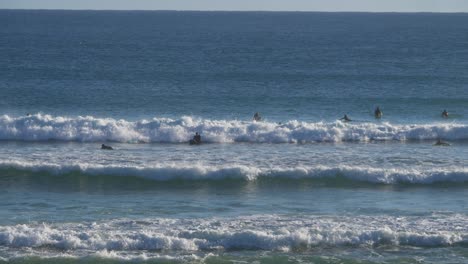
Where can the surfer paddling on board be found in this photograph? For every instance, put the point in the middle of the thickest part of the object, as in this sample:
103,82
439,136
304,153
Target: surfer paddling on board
196,139
345,118
445,114
441,143
378,113
106,147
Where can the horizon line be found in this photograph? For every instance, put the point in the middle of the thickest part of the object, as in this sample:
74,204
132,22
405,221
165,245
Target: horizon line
223,10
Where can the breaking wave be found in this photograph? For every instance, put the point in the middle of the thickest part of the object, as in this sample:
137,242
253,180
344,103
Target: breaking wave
41,127
260,232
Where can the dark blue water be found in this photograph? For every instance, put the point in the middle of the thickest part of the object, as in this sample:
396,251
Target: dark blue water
307,66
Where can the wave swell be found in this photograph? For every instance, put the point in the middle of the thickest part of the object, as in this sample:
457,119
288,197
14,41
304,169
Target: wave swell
246,173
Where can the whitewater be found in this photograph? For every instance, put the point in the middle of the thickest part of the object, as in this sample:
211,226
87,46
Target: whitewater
43,127
260,232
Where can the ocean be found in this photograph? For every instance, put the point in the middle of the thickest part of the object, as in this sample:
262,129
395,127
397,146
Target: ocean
299,186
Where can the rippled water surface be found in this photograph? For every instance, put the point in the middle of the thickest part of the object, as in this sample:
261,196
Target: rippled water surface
300,186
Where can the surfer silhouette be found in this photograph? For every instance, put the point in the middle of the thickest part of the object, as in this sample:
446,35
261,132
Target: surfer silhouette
441,143
196,139
346,118
106,147
445,114
378,113
257,117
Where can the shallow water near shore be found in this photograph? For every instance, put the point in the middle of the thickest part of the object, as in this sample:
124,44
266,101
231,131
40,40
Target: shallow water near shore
233,202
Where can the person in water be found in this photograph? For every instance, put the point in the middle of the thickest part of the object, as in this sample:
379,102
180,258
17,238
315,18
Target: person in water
197,138
445,113
106,147
345,118
257,117
378,113
441,143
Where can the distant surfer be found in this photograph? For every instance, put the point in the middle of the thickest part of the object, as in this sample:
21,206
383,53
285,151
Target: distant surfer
445,114
441,143
378,113
106,147
196,139
345,118
257,117
28,114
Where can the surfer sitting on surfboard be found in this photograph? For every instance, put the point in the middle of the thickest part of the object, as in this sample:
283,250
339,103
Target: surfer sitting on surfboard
445,113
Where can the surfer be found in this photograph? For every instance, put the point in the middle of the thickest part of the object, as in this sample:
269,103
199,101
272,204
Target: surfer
445,113
441,143
257,117
196,139
106,147
345,118
378,113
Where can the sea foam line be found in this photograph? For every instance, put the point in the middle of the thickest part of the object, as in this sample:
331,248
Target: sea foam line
42,127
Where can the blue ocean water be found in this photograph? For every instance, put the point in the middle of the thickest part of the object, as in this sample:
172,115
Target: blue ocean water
300,186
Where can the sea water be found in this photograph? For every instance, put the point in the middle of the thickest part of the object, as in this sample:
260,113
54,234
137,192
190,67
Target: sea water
301,186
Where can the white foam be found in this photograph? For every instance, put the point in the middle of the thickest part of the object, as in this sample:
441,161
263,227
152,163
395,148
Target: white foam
41,127
165,172
266,232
